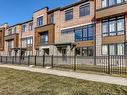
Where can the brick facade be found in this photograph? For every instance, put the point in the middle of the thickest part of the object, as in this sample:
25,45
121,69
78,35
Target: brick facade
60,43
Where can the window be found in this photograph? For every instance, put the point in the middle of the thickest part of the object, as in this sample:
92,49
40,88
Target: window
29,41
114,26
44,38
114,49
112,2
120,26
24,28
52,18
9,44
85,51
68,15
31,26
26,42
90,32
78,34
15,30
107,3
84,10
105,28
84,33
40,21
10,31
104,3
120,49
105,50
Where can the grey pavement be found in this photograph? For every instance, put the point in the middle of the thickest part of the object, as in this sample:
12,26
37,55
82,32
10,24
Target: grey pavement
83,76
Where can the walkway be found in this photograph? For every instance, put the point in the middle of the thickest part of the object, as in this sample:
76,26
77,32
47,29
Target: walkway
84,76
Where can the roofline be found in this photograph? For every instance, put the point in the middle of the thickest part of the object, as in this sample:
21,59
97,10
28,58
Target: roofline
27,21
41,9
74,4
53,10
68,6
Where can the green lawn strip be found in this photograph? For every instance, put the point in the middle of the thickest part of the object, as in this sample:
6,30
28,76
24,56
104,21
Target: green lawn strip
15,82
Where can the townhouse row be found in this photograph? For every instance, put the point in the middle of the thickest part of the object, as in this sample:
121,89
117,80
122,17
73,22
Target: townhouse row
84,28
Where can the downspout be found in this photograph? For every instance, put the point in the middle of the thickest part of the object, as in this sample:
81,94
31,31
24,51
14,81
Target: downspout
95,31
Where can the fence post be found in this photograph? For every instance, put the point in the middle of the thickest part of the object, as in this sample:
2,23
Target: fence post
109,64
6,59
35,60
12,59
43,60
75,59
95,60
1,59
52,61
28,60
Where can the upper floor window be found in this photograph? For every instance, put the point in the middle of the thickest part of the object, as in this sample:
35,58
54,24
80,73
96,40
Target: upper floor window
10,31
84,10
52,18
31,26
114,26
106,3
84,33
40,21
15,30
68,15
24,28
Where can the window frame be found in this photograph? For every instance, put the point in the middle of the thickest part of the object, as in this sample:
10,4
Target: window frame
67,14
116,19
40,21
83,7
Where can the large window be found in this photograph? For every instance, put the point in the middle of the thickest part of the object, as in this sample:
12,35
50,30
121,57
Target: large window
107,3
24,28
26,42
68,14
40,21
84,10
44,38
9,44
85,51
113,49
84,33
114,26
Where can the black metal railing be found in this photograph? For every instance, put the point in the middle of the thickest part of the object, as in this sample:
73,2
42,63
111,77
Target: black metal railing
104,64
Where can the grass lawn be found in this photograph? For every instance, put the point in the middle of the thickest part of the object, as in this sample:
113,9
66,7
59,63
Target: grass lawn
14,82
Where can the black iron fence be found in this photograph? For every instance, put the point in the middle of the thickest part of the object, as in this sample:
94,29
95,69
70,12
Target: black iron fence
103,64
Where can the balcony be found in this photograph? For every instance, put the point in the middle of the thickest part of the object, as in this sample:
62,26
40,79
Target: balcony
49,28
119,9
14,37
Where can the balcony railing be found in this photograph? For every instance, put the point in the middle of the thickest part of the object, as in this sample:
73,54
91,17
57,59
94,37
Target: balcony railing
111,10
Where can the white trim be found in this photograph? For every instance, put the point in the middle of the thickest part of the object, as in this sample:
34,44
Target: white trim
76,26
27,36
39,16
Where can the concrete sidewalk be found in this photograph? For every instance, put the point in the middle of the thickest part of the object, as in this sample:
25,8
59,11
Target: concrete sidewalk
84,76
